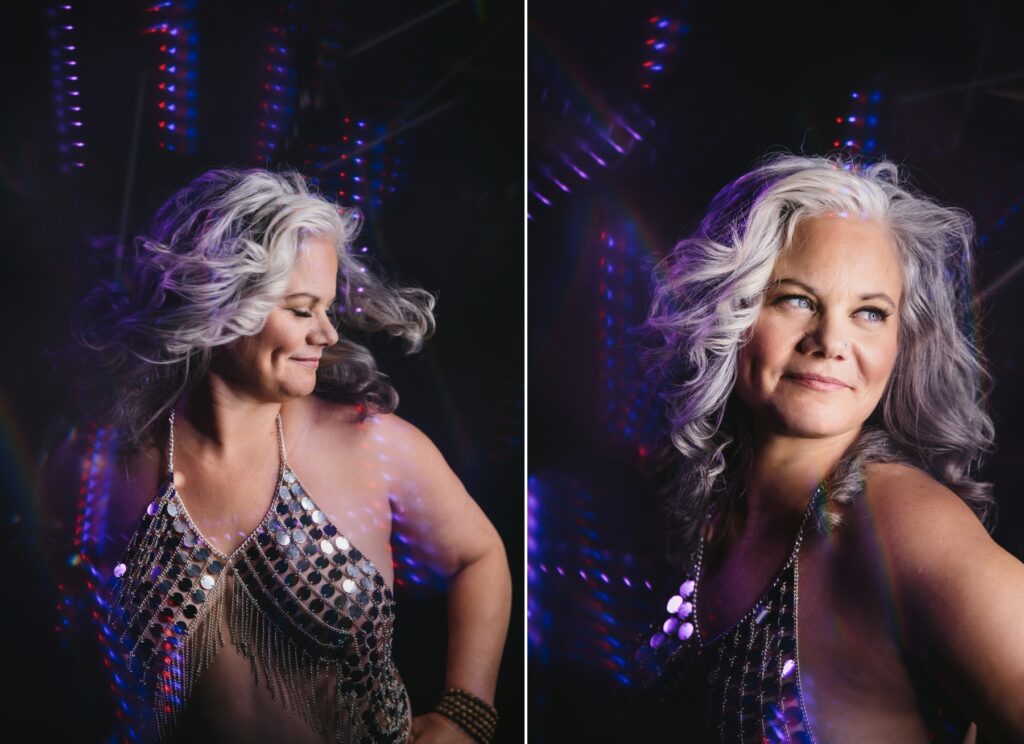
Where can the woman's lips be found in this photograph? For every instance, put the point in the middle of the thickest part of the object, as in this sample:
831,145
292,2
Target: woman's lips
817,383
314,363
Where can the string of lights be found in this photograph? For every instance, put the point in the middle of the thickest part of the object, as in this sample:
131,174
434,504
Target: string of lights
66,89
173,23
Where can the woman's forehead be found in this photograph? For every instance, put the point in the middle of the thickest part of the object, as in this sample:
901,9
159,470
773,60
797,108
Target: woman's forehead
842,251
316,268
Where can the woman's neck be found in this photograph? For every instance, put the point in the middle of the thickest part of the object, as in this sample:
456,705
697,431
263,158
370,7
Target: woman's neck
781,475
221,425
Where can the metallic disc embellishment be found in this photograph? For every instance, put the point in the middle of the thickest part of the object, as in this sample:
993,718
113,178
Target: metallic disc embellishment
674,603
298,536
283,538
326,546
284,493
188,540
119,570
307,503
318,516
341,543
684,610
788,667
368,568
179,526
172,508
153,508
207,582
687,587
685,631
348,586
289,476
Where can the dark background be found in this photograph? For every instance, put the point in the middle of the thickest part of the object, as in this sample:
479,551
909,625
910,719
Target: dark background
944,83
439,86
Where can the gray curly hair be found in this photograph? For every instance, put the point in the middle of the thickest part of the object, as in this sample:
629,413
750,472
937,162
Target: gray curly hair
217,259
708,294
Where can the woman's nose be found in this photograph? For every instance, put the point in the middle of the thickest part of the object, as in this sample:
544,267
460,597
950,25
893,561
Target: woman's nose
325,332
827,337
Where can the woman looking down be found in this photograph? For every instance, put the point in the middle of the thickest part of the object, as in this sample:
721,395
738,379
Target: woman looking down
244,478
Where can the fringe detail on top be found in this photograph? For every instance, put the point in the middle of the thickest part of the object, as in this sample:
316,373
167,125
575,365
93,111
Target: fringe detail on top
300,681
193,656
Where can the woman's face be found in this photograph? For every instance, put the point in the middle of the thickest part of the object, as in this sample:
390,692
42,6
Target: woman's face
830,311
280,361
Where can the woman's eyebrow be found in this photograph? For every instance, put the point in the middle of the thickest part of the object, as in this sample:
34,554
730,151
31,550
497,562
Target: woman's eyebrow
310,296
813,291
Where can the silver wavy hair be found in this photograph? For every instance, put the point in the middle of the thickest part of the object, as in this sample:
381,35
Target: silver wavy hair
217,259
708,294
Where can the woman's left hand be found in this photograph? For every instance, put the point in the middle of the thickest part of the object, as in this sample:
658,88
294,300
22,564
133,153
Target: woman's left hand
433,728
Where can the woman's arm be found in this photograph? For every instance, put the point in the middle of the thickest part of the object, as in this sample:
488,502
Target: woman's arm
445,529
960,595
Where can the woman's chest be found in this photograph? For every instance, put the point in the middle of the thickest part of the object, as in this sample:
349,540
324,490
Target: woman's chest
807,649
337,505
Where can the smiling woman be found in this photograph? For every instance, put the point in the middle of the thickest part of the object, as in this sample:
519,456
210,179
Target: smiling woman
243,480
835,582
819,332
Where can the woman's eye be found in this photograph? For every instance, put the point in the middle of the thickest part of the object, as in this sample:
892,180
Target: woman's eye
875,314
797,301
302,313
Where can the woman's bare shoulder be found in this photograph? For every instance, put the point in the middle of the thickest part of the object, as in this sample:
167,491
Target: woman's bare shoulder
389,430
959,595
908,509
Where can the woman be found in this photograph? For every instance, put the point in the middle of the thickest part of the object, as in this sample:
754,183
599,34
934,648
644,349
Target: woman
239,499
837,582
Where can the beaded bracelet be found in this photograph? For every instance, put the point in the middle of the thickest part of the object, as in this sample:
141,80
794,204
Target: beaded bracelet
471,714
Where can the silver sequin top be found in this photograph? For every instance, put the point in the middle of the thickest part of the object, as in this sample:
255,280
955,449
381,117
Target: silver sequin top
744,685
312,614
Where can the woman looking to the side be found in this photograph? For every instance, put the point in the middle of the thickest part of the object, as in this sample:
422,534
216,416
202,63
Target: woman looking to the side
837,582
240,491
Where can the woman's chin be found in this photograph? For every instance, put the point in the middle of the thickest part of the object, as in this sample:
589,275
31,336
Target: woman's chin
810,427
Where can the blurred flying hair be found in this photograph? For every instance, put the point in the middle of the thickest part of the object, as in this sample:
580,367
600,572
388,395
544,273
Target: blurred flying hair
216,261
708,294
